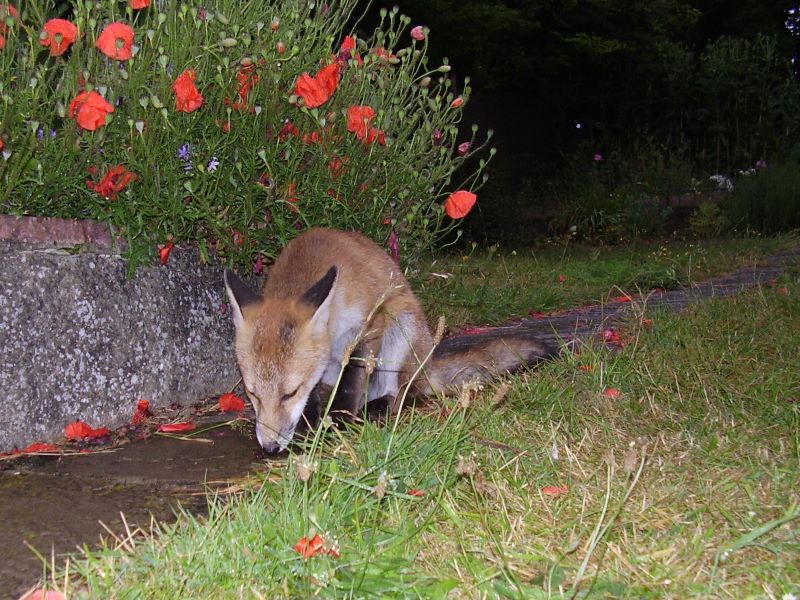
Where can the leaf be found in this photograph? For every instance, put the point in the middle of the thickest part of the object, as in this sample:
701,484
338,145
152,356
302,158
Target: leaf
231,403
177,427
79,431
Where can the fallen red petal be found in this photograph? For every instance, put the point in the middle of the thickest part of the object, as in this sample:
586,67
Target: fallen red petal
586,368
562,278
231,403
142,412
40,447
474,330
612,393
79,431
611,336
555,490
417,493
163,253
623,299
308,548
44,595
177,427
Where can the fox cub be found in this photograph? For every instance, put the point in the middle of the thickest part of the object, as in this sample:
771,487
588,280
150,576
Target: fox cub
333,292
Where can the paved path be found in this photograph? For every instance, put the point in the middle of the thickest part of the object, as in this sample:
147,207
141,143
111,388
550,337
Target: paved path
590,321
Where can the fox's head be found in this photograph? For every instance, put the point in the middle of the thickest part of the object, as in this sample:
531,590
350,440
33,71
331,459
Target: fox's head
282,347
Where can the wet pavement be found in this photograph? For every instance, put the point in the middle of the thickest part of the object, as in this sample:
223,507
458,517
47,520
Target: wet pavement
55,504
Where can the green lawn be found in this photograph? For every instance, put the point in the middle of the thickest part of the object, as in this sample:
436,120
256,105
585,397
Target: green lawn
684,484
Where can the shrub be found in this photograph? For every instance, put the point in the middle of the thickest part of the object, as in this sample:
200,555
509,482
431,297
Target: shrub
768,200
708,221
234,126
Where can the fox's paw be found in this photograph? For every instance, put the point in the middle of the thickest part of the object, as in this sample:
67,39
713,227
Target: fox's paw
379,408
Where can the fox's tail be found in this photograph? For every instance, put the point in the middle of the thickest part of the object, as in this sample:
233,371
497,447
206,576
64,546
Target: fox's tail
481,357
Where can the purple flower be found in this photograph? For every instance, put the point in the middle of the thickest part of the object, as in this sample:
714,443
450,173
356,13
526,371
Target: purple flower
185,152
463,148
598,157
438,135
213,164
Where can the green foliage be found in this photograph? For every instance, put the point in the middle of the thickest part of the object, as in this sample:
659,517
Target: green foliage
708,221
767,201
253,164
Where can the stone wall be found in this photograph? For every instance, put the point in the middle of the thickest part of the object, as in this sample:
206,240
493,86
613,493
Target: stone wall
80,339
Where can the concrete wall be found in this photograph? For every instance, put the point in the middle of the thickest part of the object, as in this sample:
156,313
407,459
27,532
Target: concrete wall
79,339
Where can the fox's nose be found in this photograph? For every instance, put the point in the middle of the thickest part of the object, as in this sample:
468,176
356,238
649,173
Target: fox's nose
271,447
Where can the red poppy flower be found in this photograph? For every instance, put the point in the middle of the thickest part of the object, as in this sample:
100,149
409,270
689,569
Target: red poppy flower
139,4
61,34
231,403
418,33
316,91
383,53
2,145
459,203
288,130
164,251
347,51
457,102
187,97
247,79
177,427
359,119
79,430
113,182
89,109
116,41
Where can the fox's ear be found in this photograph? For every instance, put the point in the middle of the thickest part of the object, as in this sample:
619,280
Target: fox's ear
240,295
319,296
318,292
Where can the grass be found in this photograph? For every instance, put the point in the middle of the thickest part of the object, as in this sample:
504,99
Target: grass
491,286
540,486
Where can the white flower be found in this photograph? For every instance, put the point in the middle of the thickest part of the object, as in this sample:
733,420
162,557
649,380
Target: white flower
723,183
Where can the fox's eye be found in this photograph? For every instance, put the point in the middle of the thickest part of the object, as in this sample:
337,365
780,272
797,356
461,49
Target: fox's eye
289,396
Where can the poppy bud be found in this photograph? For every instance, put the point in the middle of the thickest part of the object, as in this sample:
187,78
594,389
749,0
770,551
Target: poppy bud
228,42
444,69
425,82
